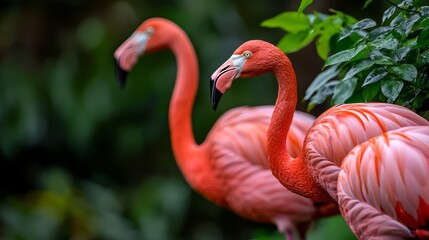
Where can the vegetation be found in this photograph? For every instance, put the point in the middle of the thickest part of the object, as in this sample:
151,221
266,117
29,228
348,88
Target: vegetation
81,159
367,62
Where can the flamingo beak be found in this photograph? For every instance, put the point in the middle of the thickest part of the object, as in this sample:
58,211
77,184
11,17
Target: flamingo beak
121,74
127,54
215,94
222,78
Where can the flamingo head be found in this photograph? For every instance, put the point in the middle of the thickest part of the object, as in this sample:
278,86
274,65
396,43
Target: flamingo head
152,35
252,58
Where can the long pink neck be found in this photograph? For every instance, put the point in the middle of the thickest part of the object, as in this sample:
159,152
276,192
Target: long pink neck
294,174
182,99
192,159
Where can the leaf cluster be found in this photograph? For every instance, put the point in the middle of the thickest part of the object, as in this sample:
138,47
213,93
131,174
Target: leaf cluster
385,63
301,29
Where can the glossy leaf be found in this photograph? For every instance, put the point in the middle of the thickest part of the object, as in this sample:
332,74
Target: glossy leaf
379,32
402,53
320,80
424,23
344,90
379,58
405,26
359,67
348,55
357,28
423,39
387,43
407,72
391,89
322,94
364,24
374,76
425,57
388,13
370,91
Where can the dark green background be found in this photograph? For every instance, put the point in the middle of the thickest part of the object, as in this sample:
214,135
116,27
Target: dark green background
81,159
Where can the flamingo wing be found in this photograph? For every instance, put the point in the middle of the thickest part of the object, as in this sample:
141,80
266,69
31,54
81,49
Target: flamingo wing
383,187
337,131
238,152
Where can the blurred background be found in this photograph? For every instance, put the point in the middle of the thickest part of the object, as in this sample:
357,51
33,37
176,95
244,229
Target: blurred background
82,159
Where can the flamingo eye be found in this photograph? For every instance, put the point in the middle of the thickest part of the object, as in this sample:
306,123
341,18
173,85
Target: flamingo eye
247,54
149,31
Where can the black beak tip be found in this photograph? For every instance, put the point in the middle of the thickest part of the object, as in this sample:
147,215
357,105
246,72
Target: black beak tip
121,74
215,94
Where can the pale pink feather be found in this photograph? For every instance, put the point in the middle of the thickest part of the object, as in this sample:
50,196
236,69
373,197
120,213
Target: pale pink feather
338,130
388,177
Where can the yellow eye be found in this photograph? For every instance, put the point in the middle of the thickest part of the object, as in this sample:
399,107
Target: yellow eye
247,54
149,31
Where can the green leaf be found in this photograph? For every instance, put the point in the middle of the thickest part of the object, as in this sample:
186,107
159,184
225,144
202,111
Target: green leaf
289,21
402,53
293,42
304,4
374,76
364,24
425,57
322,94
359,52
357,28
323,44
388,13
405,26
359,67
391,89
320,81
367,2
380,58
387,43
370,91
344,90
407,72
397,20
379,32
424,10
423,38
425,23
340,45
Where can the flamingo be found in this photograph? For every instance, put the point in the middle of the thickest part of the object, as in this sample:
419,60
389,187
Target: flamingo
230,168
371,158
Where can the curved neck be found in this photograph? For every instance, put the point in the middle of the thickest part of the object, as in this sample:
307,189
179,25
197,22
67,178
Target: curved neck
192,159
182,99
294,174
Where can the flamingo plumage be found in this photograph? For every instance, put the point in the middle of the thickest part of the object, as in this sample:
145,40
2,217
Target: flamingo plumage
230,167
372,158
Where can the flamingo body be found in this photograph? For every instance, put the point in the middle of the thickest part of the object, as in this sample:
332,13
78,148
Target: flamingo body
371,158
387,174
339,129
230,167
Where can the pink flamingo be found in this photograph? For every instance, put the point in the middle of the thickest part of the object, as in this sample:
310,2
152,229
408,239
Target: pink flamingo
230,167
362,155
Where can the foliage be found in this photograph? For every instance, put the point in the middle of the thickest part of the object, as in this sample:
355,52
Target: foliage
388,63
385,63
301,29
62,209
81,159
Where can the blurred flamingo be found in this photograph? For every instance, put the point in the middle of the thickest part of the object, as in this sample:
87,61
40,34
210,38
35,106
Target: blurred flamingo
230,167
362,155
